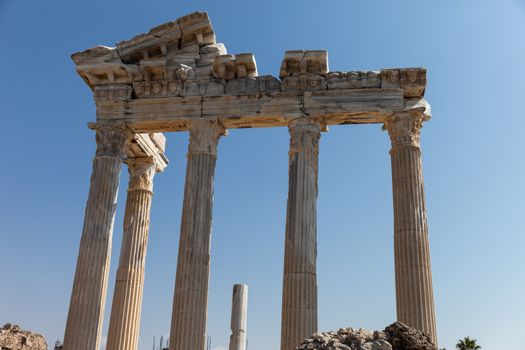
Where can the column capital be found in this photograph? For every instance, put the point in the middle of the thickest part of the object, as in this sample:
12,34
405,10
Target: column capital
111,140
404,129
204,136
141,172
304,135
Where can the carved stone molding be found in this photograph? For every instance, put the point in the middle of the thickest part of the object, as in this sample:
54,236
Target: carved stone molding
404,129
112,93
304,135
204,137
141,172
111,141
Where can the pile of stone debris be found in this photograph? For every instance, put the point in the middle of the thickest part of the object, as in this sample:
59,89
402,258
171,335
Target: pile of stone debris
13,338
397,336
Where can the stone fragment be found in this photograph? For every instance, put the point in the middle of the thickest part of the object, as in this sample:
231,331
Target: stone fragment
303,62
239,66
353,80
403,337
246,66
196,28
184,72
102,65
14,338
214,48
413,81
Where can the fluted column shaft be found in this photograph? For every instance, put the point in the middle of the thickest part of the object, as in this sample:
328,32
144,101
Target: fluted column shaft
414,294
190,301
86,308
299,303
124,322
239,317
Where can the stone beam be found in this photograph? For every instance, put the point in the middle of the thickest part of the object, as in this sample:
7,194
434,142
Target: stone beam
336,107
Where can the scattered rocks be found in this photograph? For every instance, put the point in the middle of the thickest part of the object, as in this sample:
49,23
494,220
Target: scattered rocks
13,338
397,336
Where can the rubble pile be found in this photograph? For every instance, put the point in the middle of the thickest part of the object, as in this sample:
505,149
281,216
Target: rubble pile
14,338
397,336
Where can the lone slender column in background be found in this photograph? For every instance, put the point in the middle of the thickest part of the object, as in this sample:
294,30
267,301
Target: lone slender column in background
190,301
124,322
88,298
299,307
239,317
414,295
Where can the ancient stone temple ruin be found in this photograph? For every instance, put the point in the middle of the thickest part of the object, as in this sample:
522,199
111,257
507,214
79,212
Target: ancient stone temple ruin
177,78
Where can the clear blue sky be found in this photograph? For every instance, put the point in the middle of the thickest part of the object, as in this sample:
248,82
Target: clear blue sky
473,147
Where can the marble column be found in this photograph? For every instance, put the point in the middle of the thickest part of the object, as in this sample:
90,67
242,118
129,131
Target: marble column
190,301
299,303
414,295
86,308
124,322
239,317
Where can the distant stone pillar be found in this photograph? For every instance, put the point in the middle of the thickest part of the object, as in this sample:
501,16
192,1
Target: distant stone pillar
190,301
414,295
124,322
239,317
86,308
299,304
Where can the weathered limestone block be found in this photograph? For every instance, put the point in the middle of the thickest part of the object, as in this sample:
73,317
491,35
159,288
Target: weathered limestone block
353,80
196,28
263,84
212,87
413,81
246,66
102,65
14,338
229,67
303,62
187,31
304,82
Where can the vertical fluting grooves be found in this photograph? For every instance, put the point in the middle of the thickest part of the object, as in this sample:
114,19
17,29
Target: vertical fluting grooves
188,324
414,294
86,310
299,303
124,322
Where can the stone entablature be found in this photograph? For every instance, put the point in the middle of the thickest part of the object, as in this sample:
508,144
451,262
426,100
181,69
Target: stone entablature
161,80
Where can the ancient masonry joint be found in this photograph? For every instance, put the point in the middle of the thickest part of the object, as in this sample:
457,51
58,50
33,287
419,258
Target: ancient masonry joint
176,77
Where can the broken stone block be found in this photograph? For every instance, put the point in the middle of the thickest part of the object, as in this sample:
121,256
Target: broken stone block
413,81
304,62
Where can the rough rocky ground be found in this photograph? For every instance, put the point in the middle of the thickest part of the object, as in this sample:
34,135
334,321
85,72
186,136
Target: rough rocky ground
14,338
397,336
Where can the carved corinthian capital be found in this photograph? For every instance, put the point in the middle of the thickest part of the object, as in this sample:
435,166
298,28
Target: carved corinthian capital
141,172
204,137
404,129
111,141
304,135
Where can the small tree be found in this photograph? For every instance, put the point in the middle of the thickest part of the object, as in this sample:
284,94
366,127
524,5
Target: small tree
467,344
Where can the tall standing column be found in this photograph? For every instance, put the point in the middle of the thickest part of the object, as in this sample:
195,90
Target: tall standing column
299,308
190,301
88,298
124,322
414,295
239,317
